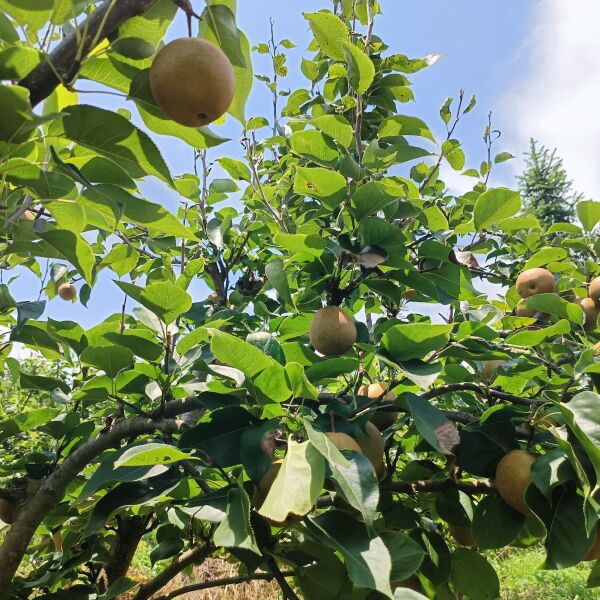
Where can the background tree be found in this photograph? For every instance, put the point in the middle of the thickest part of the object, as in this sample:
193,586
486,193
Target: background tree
545,186
215,425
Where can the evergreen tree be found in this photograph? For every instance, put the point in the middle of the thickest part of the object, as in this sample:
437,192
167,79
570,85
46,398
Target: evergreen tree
545,186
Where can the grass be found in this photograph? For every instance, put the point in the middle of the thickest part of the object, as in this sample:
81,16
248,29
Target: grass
521,578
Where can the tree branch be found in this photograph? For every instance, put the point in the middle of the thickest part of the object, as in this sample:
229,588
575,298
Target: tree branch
53,489
62,64
190,557
480,486
222,582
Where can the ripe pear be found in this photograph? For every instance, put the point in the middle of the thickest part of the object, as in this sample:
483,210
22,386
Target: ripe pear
594,291
412,583
409,294
591,312
535,281
7,511
488,368
261,492
522,311
513,475
332,331
342,441
372,447
28,216
594,553
382,419
192,81
67,291
463,536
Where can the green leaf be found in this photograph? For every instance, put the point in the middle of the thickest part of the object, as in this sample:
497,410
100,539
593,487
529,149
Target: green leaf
552,469
219,439
454,154
74,249
297,485
110,359
433,425
265,373
257,446
18,121
582,416
26,421
414,340
495,524
406,554
544,256
28,13
330,33
401,125
235,530
277,276
555,305
495,205
130,494
17,62
221,22
361,70
336,127
107,473
588,212
373,197
328,186
113,136
312,245
367,558
529,339
473,575
298,382
151,454
37,382
235,168
314,145
165,299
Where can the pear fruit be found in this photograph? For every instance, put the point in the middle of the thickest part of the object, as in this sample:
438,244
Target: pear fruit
594,291
522,311
192,81
342,441
535,281
513,475
372,447
463,536
261,491
591,312
67,291
7,511
382,419
332,331
594,553
488,368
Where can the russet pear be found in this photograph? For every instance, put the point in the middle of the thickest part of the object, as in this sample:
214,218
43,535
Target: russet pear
332,331
535,281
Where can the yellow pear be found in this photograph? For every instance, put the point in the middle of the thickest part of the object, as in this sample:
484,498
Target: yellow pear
535,281
382,419
192,81
332,331
67,291
513,475
372,447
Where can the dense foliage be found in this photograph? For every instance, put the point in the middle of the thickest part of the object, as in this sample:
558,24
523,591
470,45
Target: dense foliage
165,419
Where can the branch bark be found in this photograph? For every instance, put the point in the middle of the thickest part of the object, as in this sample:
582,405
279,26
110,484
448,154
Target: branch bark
480,486
204,585
53,489
190,557
62,64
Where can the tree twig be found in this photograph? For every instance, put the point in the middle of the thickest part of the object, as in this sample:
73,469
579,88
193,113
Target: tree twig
63,63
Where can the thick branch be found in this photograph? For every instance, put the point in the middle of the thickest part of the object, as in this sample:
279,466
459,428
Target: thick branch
62,64
221,583
193,556
480,486
53,489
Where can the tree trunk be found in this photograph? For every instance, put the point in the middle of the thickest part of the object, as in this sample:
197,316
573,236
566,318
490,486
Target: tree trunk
129,534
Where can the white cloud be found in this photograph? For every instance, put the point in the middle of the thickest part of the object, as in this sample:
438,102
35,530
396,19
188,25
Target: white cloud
556,101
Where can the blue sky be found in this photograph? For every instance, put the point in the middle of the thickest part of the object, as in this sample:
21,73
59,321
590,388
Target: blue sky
516,57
